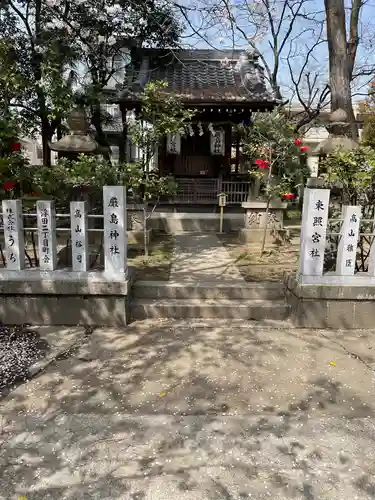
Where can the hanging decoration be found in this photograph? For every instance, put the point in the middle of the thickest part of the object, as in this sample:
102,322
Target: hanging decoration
191,130
218,142
173,144
200,129
211,128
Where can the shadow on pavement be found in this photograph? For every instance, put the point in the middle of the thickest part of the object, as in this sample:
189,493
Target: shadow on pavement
169,410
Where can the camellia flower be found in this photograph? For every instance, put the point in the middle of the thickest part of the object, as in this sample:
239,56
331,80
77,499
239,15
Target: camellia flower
16,147
298,142
9,185
288,196
262,163
303,149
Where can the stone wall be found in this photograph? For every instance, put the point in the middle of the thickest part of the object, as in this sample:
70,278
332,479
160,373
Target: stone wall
175,222
345,304
64,298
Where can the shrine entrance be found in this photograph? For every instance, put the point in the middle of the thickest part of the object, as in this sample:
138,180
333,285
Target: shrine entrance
196,159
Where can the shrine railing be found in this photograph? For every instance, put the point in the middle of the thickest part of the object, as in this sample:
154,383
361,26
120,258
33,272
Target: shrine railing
237,191
204,190
15,249
337,250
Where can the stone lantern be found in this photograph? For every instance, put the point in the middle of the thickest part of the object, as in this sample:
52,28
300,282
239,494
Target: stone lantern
78,141
339,129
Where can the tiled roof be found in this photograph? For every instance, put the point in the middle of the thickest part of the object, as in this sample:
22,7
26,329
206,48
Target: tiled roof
200,75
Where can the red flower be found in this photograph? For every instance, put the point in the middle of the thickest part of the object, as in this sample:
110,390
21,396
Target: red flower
16,147
298,142
288,196
35,193
303,149
8,186
262,163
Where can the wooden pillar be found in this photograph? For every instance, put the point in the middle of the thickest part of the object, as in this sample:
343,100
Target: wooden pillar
162,157
228,148
124,137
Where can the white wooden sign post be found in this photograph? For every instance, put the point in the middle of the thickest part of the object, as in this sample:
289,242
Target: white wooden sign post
313,164
79,235
13,235
174,143
222,204
347,249
313,231
46,221
115,235
371,258
217,140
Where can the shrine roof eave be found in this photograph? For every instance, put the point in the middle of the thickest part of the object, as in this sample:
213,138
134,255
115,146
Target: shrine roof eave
220,103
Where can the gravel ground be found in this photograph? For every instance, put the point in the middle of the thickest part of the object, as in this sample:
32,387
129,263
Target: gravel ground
19,349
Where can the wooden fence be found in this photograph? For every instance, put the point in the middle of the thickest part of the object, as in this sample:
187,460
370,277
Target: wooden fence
206,191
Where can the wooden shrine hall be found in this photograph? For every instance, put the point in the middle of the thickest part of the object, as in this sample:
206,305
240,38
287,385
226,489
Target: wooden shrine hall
224,88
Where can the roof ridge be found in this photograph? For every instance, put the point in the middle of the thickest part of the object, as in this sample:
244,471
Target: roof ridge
199,54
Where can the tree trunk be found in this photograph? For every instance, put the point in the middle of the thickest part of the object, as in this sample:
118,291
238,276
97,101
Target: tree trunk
46,137
100,135
145,242
339,63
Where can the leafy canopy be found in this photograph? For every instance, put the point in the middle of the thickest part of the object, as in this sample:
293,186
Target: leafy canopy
271,141
354,172
161,113
64,52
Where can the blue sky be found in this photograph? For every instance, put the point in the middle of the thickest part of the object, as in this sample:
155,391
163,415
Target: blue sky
304,35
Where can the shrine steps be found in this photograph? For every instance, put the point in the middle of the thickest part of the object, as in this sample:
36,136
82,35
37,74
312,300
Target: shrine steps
252,301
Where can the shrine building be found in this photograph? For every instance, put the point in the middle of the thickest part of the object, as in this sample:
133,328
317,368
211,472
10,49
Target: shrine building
224,88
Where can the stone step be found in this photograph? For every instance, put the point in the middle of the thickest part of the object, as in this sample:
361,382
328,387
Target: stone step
206,290
209,308
234,324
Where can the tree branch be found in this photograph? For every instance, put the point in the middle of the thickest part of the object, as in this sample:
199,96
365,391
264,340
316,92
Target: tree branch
352,44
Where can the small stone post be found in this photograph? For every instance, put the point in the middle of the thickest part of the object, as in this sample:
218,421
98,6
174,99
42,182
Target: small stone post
115,235
371,258
313,164
13,235
313,231
79,235
46,221
347,249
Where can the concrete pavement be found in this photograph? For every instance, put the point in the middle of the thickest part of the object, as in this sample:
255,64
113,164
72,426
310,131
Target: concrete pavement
202,257
196,410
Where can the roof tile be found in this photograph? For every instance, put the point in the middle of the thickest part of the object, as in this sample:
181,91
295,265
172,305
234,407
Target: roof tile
200,75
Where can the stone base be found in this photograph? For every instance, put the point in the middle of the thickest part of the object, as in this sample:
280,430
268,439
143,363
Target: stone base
137,237
334,304
176,223
256,236
255,214
64,298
